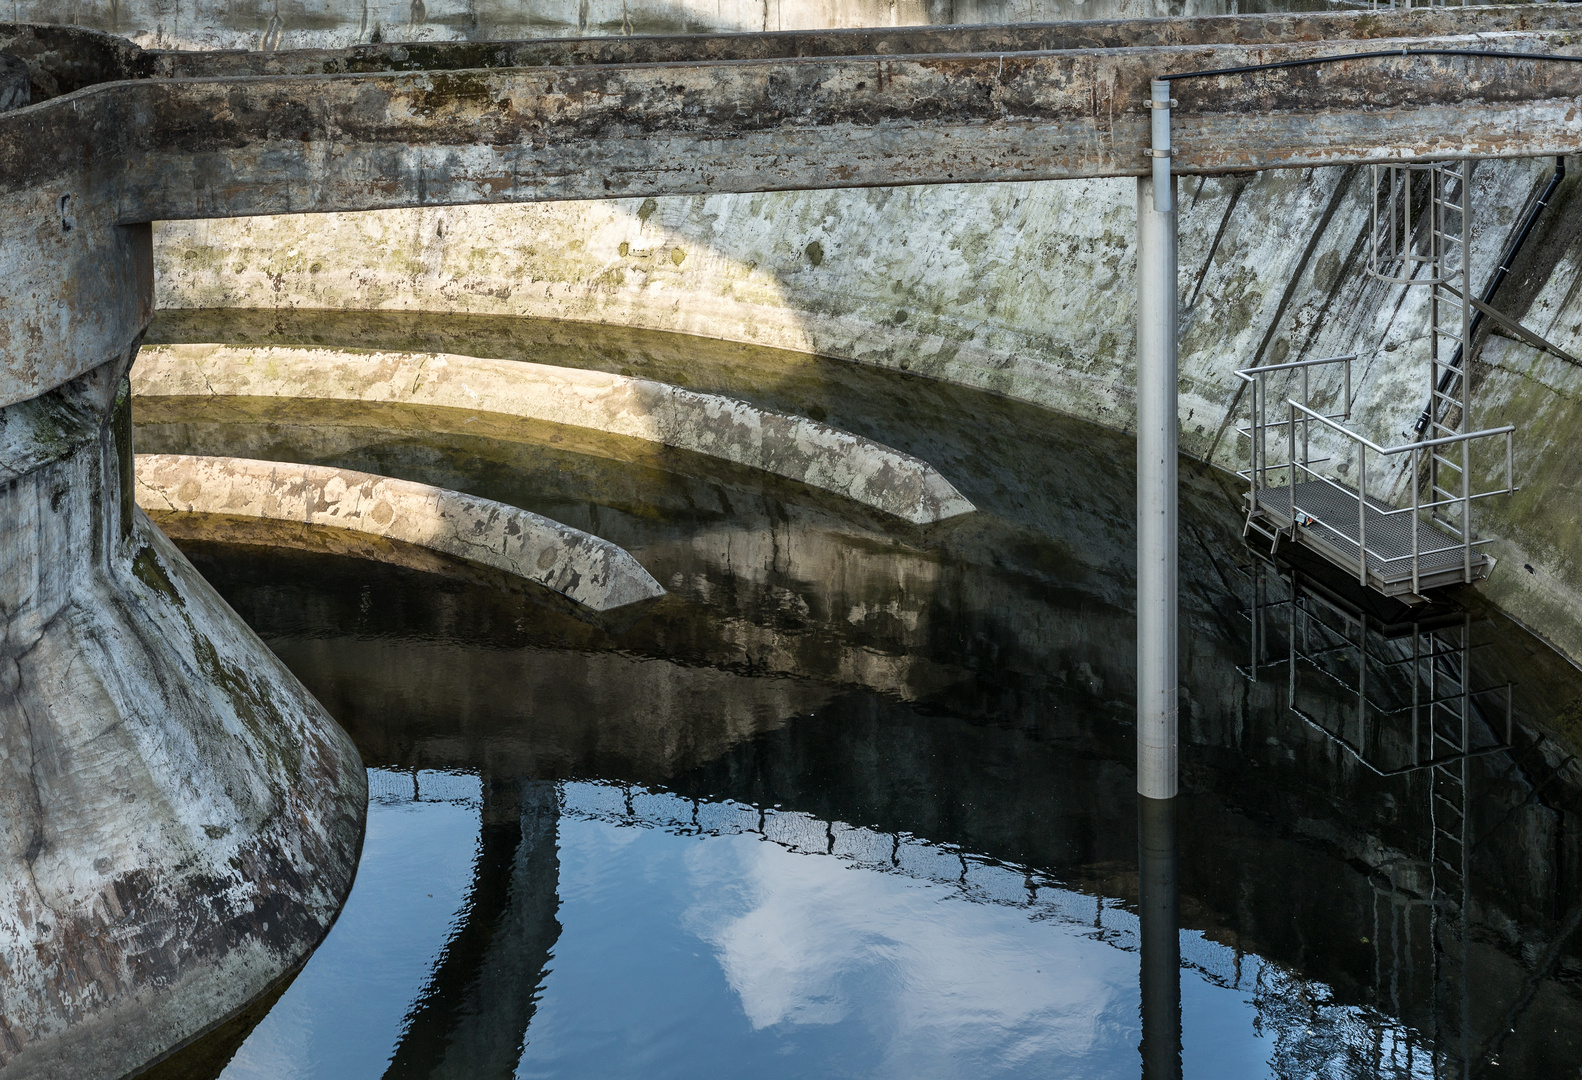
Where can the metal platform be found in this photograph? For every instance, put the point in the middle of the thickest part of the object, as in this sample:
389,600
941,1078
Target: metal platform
1325,519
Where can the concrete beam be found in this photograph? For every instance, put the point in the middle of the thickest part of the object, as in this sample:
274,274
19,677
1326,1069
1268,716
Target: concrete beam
174,488
892,41
291,144
294,143
793,447
80,172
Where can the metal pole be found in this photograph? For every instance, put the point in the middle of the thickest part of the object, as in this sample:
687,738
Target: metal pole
1157,433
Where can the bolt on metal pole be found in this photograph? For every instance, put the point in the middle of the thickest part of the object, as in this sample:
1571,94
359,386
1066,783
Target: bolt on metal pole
1157,433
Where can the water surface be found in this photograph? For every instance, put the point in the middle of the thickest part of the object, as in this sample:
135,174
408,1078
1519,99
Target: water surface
856,798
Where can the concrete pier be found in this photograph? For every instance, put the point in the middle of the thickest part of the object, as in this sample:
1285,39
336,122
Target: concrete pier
179,819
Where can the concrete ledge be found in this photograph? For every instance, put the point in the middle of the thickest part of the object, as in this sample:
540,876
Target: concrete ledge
793,447
581,567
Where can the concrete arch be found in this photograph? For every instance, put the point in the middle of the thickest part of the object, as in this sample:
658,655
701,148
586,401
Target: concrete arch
594,573
793,447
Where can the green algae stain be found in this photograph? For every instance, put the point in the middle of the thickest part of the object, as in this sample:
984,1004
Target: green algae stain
151,572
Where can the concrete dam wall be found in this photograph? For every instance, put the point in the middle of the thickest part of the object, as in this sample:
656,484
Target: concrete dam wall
792,302
1025,290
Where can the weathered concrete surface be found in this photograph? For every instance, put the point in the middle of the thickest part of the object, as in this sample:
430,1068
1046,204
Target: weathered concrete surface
1115,28
75,167
16,87
179,818
327,24
1020,289
792,447
595,573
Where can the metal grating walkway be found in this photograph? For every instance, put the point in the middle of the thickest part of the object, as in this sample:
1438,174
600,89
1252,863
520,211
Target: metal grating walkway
1328,525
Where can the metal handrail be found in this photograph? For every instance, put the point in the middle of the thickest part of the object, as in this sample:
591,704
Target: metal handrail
1248,374
1403,447
1300,413
1256,431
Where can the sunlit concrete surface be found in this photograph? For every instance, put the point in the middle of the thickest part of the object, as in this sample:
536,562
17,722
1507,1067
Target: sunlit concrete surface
792,447
585,569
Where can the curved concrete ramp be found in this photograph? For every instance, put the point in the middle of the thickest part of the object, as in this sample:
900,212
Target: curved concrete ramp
579,566
793,447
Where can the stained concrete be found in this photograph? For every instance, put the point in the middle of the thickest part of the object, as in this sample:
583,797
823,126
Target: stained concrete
792,447
1024,290
595,573
179,819
335,24
15,83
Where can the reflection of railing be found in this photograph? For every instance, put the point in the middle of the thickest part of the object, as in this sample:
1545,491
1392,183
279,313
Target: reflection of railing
1416,704
1394,549
1420,710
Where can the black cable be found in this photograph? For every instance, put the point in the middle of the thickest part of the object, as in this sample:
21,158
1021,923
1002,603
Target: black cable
1495,54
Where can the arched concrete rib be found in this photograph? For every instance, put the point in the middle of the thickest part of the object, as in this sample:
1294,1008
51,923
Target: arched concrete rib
793,447
579,566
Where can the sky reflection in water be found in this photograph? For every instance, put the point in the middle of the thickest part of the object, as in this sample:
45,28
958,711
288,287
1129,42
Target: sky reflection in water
692,944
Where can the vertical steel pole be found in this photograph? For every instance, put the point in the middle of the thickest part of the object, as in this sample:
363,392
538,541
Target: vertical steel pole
1157,432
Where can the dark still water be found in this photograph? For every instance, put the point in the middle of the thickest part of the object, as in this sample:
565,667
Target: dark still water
857,799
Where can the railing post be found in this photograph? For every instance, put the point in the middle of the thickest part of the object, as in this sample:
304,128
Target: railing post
1255,433
1290,466
1362,514
1416,520
1157,433
1466,482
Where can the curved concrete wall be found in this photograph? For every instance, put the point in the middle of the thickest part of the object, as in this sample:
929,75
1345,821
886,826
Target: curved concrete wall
1022,289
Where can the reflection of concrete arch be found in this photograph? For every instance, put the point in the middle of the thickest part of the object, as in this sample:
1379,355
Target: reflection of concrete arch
471,1020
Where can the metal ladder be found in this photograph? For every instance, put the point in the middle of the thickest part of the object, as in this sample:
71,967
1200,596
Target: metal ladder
1435,249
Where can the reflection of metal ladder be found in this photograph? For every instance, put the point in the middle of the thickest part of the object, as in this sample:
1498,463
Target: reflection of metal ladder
1412,701
1415,677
